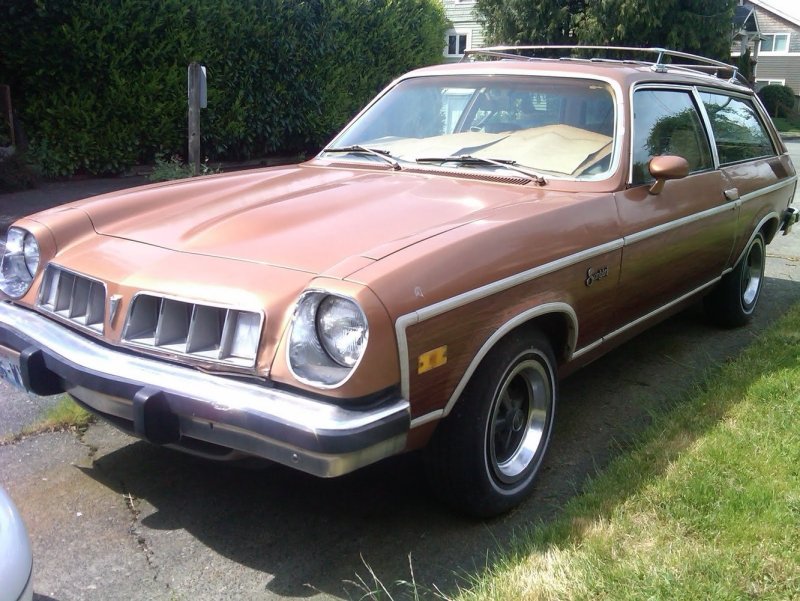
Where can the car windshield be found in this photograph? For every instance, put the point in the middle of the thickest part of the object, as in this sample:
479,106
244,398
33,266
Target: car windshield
557,126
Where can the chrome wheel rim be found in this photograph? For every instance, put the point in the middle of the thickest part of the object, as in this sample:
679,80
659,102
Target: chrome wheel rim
752,275
520,421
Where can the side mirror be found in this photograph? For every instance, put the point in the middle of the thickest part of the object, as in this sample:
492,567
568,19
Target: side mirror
666,167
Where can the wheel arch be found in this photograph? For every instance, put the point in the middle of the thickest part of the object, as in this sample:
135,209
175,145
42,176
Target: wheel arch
557,321
768,226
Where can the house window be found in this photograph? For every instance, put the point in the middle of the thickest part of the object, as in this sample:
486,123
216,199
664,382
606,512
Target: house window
774,42
760,83
457,42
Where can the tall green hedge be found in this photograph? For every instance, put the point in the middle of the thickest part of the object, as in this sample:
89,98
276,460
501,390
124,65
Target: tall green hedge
779,100
101,84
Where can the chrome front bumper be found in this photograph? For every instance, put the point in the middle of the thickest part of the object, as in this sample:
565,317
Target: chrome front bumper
202,413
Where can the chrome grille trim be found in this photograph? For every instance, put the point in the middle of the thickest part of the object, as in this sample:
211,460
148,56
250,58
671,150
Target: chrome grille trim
199,330
73,297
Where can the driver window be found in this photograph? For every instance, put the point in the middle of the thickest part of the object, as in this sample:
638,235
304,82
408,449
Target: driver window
667,122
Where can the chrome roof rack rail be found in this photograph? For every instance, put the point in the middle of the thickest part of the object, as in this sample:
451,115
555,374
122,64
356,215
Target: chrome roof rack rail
706,66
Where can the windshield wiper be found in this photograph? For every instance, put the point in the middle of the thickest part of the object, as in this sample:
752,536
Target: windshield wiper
357,148
467,159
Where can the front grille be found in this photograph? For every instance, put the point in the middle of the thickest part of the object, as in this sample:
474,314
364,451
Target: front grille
74,297
193,329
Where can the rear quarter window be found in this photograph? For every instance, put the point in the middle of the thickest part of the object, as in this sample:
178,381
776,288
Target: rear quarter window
739,131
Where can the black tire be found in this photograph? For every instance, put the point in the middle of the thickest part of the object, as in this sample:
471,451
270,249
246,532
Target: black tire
485,455
733,301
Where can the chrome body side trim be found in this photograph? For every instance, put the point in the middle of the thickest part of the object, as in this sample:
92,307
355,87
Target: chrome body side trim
427,418
593,345
509,282
305,433
733,205
510,325
671,225
405,321
767,190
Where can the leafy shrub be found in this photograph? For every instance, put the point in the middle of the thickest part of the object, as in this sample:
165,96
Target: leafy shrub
101,84
169,169
16,171
778,100
175,168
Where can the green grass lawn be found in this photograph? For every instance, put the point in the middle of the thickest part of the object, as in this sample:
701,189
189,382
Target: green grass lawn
787,124
705,506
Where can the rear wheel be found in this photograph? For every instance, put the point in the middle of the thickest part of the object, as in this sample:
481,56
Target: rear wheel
733,301
485,455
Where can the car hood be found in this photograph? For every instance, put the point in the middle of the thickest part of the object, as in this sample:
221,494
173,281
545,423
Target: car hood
302,217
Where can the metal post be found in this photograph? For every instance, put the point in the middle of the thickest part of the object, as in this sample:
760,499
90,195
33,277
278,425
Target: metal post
194,117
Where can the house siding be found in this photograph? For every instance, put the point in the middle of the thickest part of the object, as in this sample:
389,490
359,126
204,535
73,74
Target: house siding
780,67
461,15
783,66
768,23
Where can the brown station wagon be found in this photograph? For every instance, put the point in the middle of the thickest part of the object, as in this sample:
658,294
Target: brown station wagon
479,231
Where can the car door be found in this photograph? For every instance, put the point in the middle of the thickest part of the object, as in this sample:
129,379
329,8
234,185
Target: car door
676,241
762,181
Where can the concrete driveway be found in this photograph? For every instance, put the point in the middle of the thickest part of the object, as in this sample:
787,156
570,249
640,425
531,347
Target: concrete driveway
114,518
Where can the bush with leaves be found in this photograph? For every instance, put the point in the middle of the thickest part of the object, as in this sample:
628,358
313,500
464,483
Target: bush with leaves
16,170
101,84
778,100
697,26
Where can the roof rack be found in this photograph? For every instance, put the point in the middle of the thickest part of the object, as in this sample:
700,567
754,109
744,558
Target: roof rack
706,66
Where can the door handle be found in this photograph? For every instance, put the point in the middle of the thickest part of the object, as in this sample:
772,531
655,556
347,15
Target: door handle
732,194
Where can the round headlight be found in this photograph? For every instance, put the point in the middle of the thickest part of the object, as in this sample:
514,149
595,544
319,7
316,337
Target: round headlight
342,330
328,337
30,250
19,263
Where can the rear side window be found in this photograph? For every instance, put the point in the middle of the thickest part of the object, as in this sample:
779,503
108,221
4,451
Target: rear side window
667,122
738,130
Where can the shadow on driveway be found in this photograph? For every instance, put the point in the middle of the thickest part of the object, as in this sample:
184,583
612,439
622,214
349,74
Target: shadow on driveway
312,534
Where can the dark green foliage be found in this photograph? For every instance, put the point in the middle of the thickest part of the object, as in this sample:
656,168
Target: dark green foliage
697,26
16,172
746,67
529,21
778,100
101,84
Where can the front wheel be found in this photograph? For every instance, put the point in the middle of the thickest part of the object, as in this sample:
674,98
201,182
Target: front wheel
734,299
485,455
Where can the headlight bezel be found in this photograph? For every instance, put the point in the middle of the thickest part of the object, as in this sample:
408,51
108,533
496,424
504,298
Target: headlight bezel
307,357
20,262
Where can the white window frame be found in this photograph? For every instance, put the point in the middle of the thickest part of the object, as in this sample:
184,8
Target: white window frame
774,36
767,81
457,33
